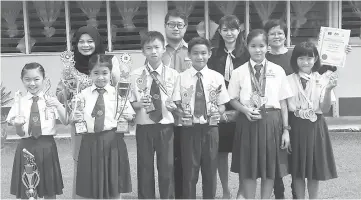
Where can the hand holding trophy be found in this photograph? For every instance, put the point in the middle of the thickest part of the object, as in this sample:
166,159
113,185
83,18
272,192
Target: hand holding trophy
257,101
187,118
146,98
123,118
77,116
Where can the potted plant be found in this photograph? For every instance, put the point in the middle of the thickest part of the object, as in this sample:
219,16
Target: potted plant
5,99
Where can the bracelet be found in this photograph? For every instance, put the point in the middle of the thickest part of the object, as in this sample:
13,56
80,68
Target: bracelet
225,117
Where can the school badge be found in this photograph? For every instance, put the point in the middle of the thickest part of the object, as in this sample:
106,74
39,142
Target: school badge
186,97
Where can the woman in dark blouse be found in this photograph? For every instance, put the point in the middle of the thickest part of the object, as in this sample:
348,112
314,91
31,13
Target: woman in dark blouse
230,54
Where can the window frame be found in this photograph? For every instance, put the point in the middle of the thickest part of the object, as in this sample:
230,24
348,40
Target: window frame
333,8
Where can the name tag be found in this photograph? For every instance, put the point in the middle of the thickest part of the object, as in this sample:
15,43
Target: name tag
270,74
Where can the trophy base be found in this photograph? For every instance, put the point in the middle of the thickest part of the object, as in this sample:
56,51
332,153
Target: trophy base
80,128
213,121
187,121
150,108
122,126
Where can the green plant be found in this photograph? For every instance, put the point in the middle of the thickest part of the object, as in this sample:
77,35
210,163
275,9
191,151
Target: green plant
5,99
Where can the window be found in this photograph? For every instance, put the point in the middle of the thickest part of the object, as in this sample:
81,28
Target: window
351,19
217,9
307,17
129,19
262,11
195,10
47,26
92,13
12,26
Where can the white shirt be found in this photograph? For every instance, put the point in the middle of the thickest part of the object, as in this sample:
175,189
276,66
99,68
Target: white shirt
47,125
168,78
90,96
211,80
277,86
315,92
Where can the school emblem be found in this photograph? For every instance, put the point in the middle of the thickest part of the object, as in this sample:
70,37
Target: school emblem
100,113
156,96
35,119
199,94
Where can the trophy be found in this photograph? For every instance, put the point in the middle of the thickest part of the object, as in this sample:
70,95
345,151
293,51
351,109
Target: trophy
306,114
257,102
186,100
19,118
49,111
145,92
30,176
213,96
78,103
122,92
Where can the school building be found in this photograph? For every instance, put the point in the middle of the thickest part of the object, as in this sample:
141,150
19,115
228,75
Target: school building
38,31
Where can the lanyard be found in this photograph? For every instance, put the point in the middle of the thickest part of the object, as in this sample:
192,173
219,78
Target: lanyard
157,80
258,86
302,91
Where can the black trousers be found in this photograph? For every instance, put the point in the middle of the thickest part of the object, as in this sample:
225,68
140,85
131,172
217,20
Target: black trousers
178,170
155,138
199,145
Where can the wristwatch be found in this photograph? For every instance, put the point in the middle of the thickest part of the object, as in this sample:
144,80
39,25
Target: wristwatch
288,127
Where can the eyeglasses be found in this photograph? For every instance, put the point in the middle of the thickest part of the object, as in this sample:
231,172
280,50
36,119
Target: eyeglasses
173,25
276,34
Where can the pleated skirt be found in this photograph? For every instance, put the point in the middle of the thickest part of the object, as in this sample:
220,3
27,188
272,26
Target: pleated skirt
256,147
46,158
103,166
312,154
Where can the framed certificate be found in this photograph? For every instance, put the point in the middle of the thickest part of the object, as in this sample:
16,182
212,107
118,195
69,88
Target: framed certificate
331,46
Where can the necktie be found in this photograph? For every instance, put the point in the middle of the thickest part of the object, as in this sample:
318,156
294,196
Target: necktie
99,111
200,100
156,115
34,124
228,66
258,71
303,82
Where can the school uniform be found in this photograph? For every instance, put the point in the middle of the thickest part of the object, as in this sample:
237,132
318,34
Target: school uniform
177,59
220,60
312,154
154,132
103,165
199,143
256,148
39,131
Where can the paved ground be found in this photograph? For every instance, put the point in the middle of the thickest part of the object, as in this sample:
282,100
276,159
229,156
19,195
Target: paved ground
347,148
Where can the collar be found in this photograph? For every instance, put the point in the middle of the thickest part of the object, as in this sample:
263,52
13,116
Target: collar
106,87
29,96
159,70
305,75
182,44
229,52
254,64
203,71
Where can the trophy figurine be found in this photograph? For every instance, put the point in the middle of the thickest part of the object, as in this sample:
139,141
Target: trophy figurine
49,111
122,92
186,100
30,176
213,96
145,92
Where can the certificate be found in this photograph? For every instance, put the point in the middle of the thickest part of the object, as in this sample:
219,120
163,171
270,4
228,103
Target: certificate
331,46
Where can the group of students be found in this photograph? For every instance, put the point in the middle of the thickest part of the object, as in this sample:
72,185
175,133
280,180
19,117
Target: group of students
204,103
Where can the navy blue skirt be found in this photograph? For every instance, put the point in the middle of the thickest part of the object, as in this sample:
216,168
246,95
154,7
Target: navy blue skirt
312,154
46,157
103,166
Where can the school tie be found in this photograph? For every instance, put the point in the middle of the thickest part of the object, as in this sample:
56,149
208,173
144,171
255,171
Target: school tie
258,71
99,111
156,115
34,124
304,82
228,66
200,107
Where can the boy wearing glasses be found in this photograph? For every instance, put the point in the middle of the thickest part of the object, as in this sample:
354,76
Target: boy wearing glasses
176,57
